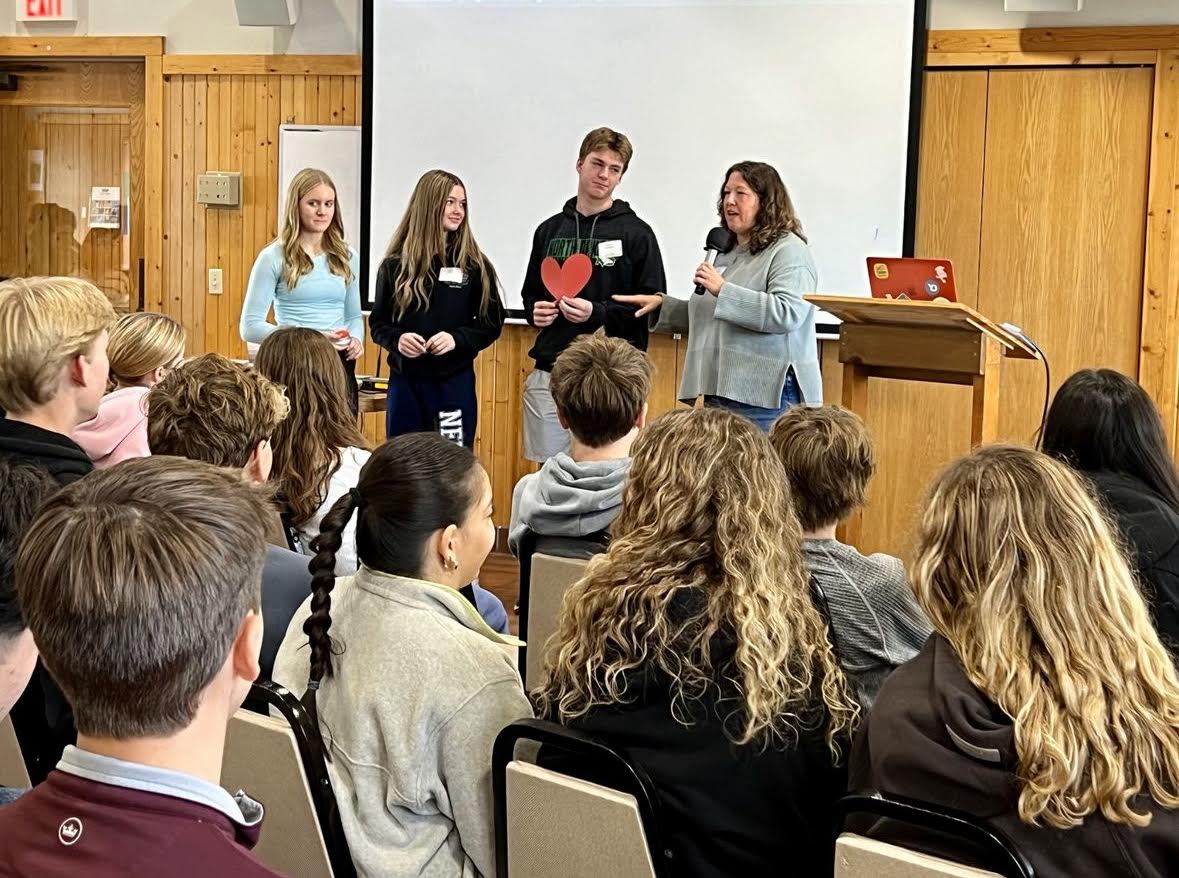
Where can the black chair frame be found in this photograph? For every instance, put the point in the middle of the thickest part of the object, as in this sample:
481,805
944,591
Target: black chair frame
591,753
312,753
998,853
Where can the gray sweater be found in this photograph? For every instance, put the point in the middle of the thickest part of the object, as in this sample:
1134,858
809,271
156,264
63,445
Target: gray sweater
421,688
567,498
742,342
875,618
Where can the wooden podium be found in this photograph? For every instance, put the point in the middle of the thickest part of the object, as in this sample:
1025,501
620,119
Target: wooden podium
939,342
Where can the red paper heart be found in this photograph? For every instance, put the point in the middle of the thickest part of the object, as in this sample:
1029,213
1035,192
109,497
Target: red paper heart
566,279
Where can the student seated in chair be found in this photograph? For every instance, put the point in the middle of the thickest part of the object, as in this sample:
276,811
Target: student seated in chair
22,489
876,625
140,584
600,388
408,683
1044,704
221,412
694,647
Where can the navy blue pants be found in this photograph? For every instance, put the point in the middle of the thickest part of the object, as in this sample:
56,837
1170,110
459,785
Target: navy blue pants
433,405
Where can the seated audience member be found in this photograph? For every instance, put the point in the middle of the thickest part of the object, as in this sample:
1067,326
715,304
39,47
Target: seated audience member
876,626
407,681
600,388
220,412
143,348
694,647
319,450
1044,703
1104,425
140,584
22,489
53,370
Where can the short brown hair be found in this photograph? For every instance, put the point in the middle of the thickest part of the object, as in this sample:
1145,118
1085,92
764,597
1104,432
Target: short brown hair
215,410
607,138
44,323
829,460
135,581
600,385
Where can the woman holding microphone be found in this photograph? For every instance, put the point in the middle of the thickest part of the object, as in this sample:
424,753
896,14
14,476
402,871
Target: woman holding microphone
751,336
309,274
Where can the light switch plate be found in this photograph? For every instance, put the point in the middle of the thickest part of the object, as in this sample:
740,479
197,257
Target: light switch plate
215,282
219,189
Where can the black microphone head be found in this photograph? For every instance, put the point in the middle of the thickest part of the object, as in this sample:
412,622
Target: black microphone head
720,239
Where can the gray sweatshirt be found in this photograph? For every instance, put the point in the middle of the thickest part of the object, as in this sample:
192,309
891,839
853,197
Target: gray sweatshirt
877,623
421,688
567,498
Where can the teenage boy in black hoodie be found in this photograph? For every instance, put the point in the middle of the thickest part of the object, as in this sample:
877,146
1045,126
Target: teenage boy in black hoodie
624,258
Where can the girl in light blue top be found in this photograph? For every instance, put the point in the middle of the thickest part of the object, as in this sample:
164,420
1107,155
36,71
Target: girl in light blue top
309,274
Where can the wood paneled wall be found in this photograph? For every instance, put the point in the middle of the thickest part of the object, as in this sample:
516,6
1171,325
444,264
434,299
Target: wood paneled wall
229,122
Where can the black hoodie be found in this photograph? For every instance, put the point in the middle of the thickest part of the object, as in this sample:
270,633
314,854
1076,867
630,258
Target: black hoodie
933,736
639,269
55,453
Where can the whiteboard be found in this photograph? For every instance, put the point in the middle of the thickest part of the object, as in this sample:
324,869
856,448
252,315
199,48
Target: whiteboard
334,149
501,93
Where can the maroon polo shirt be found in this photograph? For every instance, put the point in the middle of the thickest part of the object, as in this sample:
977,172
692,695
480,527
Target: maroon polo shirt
71,827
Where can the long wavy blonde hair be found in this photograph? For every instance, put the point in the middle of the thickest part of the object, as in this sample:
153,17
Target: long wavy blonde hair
1019,570
421,239
295,261
703,583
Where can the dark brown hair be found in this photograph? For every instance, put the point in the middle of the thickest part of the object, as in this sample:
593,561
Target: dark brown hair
829,460
135,581
775,216
22,490
411,487
307,444
607,138
213,409
600,385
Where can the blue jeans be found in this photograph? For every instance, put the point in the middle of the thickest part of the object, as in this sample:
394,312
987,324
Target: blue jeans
763,417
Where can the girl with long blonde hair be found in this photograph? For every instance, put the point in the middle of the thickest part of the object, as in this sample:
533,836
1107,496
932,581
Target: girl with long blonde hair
309,275
143,348
695,646
436,307
1044,702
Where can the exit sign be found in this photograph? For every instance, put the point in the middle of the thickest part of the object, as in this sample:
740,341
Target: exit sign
46,10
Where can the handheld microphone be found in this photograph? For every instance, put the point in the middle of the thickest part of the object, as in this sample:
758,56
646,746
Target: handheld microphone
720,240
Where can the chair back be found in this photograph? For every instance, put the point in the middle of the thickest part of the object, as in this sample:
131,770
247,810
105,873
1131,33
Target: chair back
859,857
279,761
551,578
937,827
548,822
13,772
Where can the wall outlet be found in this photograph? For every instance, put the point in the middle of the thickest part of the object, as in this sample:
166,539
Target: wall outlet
219,189
215,287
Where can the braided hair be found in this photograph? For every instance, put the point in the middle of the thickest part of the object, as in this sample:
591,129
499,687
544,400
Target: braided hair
412,487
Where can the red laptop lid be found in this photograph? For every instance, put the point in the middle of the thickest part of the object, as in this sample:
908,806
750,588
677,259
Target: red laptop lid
918,279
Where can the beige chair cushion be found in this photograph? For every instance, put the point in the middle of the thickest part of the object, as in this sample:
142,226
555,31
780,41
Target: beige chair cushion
262,758
12,765
559,825
551,578
859,857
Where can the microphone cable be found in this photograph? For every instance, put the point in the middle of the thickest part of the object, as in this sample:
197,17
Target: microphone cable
1043,358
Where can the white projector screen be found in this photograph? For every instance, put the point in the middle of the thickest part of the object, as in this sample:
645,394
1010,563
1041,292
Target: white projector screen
501,92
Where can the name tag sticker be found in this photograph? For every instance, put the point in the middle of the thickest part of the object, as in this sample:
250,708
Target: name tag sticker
451,275
610,250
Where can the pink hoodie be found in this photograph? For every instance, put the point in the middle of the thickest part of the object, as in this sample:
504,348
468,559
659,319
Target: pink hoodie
119,431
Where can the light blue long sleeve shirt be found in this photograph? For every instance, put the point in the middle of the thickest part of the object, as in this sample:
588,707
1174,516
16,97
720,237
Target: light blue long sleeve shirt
320,300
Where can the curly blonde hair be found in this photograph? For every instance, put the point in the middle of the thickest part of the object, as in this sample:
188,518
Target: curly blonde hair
704,583
1019,570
